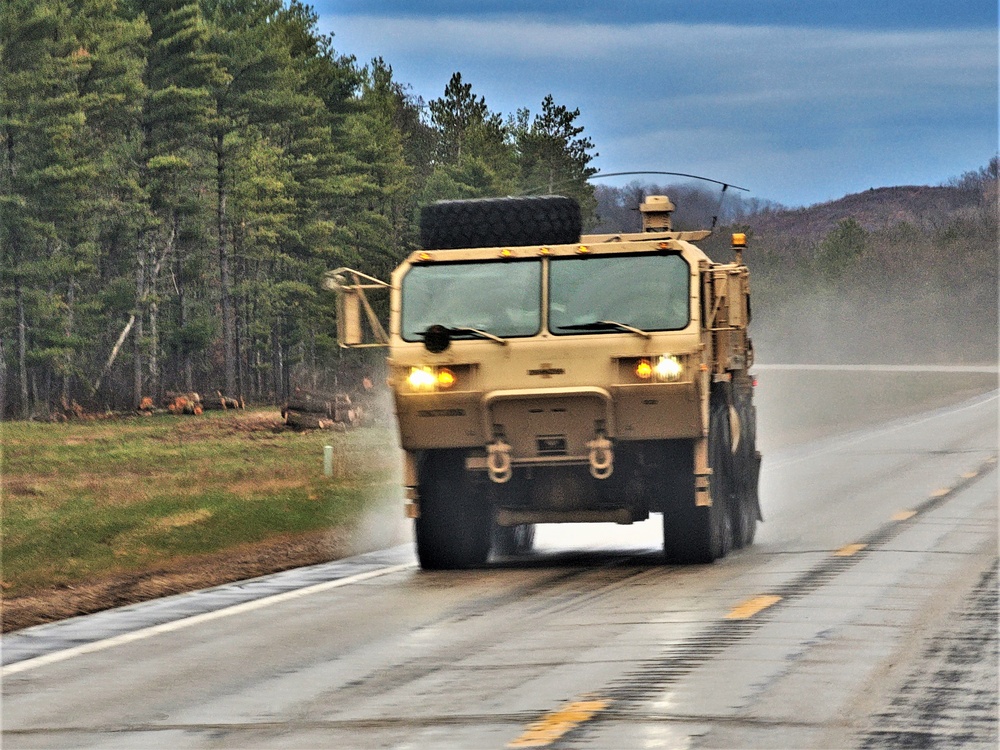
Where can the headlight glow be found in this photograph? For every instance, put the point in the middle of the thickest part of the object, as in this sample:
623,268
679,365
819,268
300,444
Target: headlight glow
668,368
421,379
428,378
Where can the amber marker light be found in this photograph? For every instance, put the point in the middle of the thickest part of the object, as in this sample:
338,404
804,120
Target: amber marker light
424,256
445,378
644,370
505,253
739,239
583,249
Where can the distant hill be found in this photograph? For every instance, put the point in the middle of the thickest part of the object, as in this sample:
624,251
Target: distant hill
902,275
889,275
875,209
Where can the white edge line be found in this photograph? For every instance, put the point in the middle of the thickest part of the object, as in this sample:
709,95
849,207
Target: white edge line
167,627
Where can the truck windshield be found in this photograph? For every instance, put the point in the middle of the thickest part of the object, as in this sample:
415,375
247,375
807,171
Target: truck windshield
602,294
502,297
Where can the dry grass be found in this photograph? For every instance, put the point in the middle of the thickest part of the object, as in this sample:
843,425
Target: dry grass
85,500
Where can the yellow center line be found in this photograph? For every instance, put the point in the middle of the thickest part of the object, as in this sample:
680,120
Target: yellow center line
555,724
848,550
940,493
751,607
902,515
970,475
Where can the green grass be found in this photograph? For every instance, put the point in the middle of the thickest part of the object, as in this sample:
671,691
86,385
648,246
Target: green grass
85,499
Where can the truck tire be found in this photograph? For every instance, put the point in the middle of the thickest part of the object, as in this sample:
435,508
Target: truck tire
702,534
746,475
513,540
453,529
497,222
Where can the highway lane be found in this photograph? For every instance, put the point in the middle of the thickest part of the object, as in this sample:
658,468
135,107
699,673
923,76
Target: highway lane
864,616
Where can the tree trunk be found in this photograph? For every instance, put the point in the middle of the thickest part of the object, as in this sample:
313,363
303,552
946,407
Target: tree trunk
140,297
22,350
68,331
3,380
114,352
240,328
225,282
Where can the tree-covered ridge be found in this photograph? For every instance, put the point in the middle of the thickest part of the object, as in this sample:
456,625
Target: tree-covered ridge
178,174
899,275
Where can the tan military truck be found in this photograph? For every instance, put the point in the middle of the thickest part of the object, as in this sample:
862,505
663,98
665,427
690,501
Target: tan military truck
541,376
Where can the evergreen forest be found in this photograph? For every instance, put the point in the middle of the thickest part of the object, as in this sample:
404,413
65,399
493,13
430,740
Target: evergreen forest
177,176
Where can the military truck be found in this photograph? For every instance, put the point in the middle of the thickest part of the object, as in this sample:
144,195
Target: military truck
541,376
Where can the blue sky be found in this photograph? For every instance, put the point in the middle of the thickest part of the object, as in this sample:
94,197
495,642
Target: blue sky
802,102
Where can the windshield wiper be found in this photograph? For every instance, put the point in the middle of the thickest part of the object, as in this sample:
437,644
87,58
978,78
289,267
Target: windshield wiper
604,325
437,338
480,334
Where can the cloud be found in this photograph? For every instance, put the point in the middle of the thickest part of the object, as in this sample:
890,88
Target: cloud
894,105
863,14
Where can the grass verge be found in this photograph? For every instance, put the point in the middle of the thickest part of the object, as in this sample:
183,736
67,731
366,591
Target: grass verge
86,500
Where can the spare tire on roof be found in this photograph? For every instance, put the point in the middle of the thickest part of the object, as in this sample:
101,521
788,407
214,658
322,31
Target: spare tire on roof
498,222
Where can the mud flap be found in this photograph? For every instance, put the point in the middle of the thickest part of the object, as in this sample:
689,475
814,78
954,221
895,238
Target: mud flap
754,482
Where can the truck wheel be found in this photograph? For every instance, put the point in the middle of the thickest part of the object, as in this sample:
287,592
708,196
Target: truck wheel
702,534
746,464
496,222
513,540
453,530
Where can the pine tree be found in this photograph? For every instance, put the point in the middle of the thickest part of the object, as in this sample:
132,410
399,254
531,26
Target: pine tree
26,68
475,155
175,157
72,93
553,155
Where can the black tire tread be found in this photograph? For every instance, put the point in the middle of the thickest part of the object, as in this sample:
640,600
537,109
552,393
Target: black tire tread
500,222
453,530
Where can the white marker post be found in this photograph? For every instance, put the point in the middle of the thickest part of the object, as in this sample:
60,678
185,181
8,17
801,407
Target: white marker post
328,461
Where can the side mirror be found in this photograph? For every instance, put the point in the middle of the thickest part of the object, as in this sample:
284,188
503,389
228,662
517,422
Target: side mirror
349,319
349,286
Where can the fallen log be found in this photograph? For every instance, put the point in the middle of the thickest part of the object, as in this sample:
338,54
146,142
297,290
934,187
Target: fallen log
307,420
223,402
311,406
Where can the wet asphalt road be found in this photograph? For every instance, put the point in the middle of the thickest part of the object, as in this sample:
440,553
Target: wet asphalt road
865,616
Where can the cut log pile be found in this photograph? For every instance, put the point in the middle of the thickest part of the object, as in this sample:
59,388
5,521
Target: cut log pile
219,401
183,403
315,410
176,402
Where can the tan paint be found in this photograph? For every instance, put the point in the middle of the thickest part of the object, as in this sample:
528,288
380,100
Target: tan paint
572,389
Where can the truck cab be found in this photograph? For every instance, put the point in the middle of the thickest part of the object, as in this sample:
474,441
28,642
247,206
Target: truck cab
544,376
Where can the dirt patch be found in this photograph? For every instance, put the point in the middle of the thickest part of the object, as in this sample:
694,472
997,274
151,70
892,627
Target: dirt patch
188,574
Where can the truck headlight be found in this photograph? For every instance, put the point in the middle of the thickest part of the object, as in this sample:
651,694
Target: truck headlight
668,368
431,378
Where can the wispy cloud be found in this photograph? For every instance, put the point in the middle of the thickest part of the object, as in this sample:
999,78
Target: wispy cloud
887,102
